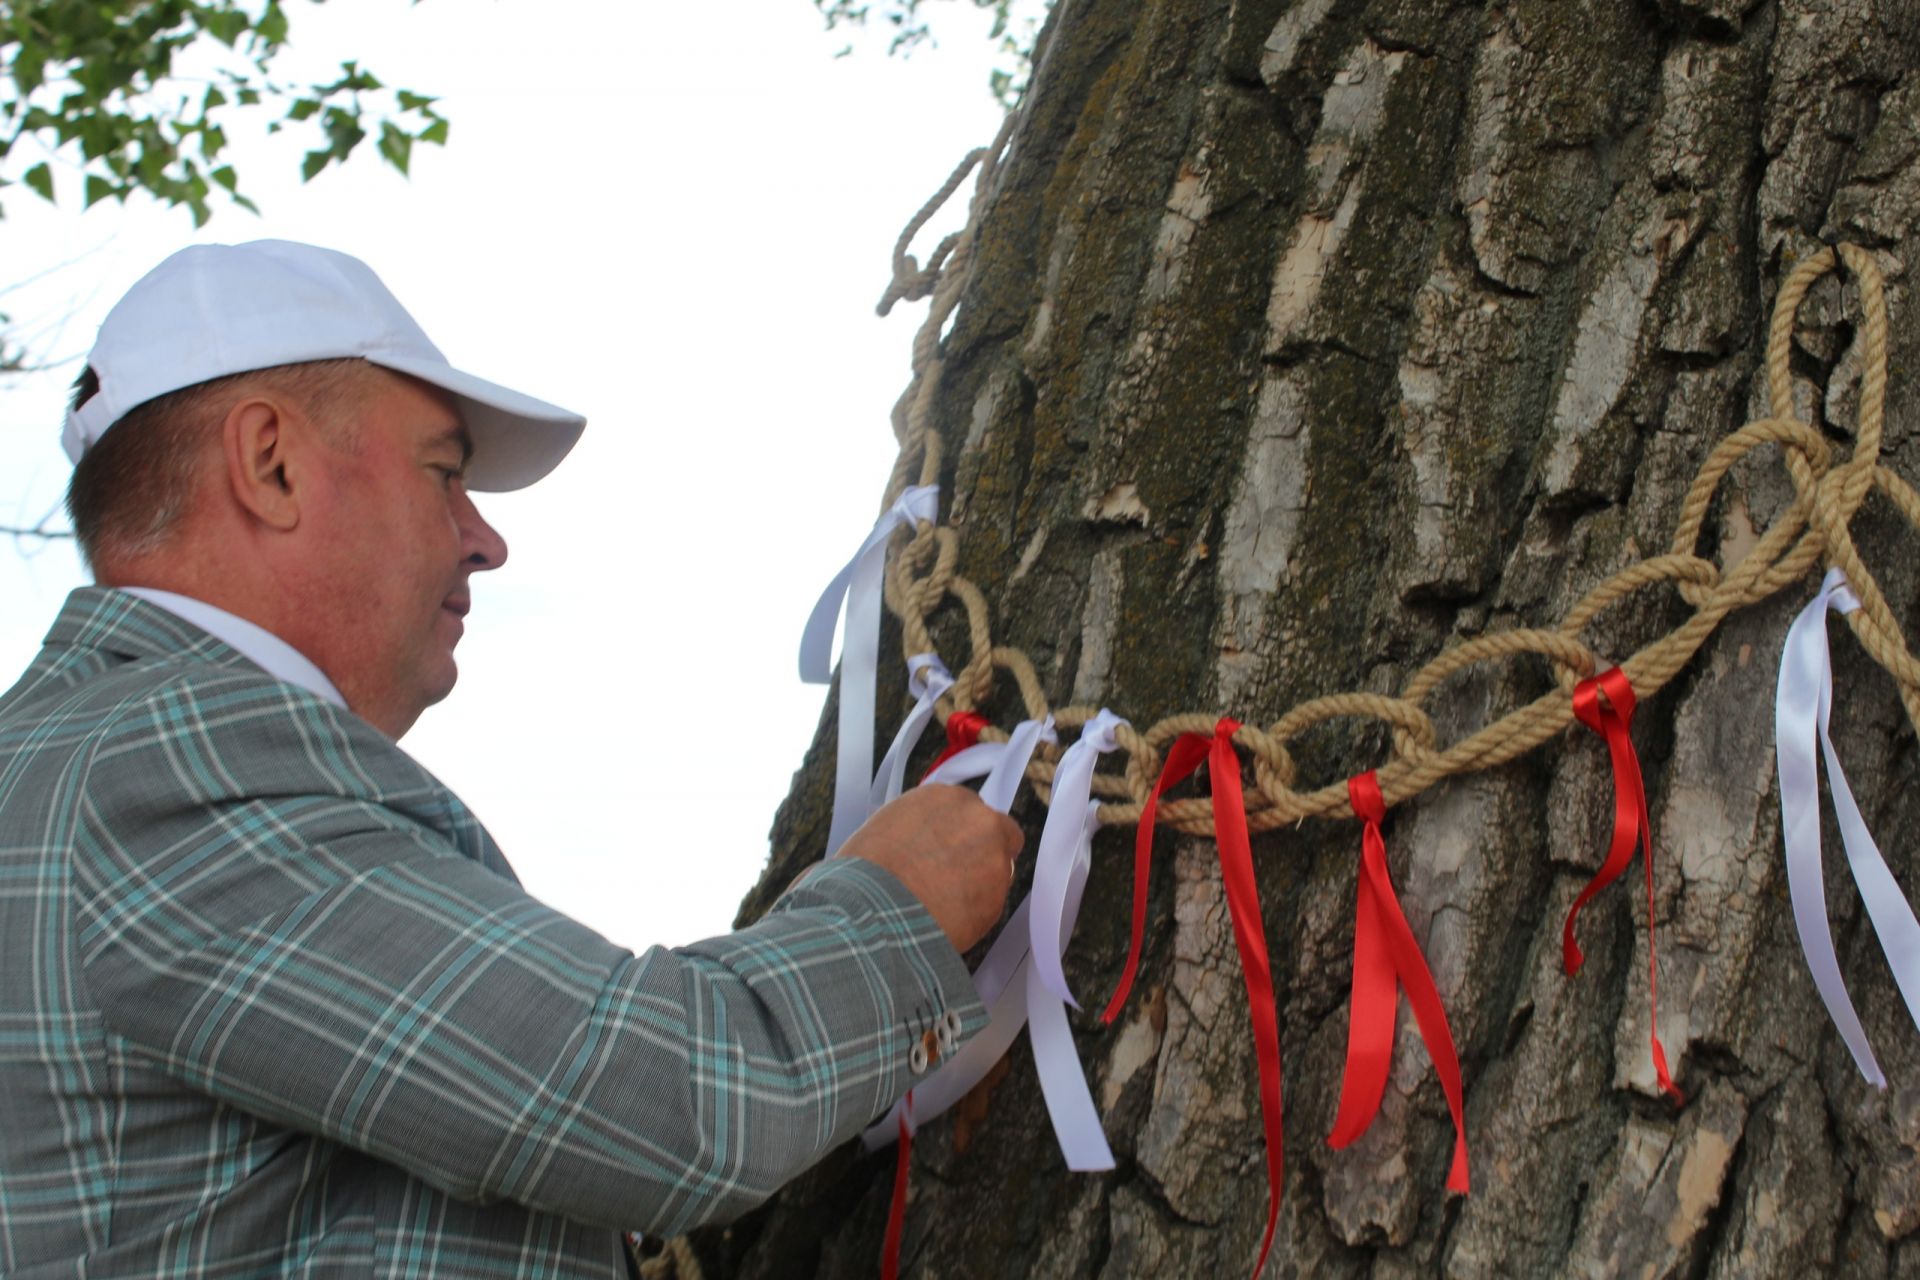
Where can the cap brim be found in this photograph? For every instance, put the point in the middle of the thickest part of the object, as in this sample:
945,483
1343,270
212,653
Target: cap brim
516,438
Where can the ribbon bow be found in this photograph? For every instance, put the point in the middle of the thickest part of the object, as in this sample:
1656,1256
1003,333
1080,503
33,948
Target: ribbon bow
1386,957
1604,703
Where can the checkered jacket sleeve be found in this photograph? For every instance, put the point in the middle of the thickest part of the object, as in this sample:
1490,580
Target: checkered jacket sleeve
278,908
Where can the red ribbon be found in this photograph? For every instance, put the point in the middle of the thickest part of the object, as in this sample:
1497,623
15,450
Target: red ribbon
1386,958
963,730
897,1211
1604,704
1243,905
1189,749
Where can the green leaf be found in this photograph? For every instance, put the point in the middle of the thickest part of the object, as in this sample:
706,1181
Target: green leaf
226,177
40,178
435,133
396,145
411,101
343,130
98,189
224,25
214,98
303,108
272,27
313,164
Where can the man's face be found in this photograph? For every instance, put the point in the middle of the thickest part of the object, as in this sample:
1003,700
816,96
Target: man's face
397,538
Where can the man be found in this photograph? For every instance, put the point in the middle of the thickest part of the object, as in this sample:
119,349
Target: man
271,1001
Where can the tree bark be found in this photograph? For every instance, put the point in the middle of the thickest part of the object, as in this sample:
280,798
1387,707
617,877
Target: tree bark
1303,340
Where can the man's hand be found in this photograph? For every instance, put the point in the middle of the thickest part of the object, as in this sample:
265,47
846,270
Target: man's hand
950,850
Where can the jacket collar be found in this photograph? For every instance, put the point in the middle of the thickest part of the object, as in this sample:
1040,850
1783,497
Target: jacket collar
114,622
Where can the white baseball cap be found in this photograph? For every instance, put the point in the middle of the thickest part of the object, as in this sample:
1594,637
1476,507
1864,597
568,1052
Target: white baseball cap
219,309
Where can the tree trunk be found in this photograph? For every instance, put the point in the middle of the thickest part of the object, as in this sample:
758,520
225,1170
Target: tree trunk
1303,340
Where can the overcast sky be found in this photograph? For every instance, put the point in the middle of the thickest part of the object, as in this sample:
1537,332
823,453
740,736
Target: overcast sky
679,227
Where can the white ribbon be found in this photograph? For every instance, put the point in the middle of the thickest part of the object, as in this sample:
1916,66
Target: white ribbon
1060,847
858,586
1076,1124
1801,709
1004,764
1008,982
927,679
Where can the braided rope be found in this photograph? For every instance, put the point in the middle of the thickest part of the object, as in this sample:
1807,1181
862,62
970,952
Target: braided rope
921,575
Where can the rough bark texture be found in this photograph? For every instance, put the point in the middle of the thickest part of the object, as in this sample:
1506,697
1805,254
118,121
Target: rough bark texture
1305,338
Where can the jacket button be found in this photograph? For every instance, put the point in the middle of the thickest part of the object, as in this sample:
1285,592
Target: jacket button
917,1059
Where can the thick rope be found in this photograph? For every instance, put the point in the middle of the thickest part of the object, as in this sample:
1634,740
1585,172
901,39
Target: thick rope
921,575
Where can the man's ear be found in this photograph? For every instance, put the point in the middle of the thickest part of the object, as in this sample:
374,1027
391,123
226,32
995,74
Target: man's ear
261,437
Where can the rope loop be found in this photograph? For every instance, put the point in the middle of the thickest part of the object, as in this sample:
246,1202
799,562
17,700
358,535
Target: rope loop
1021,668
1413,743
1807,457
910,282
1402,716
932,554
1572,661
1683,569
1273,770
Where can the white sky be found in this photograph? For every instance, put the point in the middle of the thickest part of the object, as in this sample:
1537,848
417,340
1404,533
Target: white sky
679,227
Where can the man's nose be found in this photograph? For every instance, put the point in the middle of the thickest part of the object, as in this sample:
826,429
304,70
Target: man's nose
485,548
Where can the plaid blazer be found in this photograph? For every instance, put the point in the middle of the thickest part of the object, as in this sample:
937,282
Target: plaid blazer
273,1004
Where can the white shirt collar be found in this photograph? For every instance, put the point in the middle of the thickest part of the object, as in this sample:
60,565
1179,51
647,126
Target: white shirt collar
258,645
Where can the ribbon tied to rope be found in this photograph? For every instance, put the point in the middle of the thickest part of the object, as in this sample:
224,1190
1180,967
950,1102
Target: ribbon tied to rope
1604,703
1387,958
927,679
858,586
1009,981
1015,988
1243,906
1803,706
963,730
1064,840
